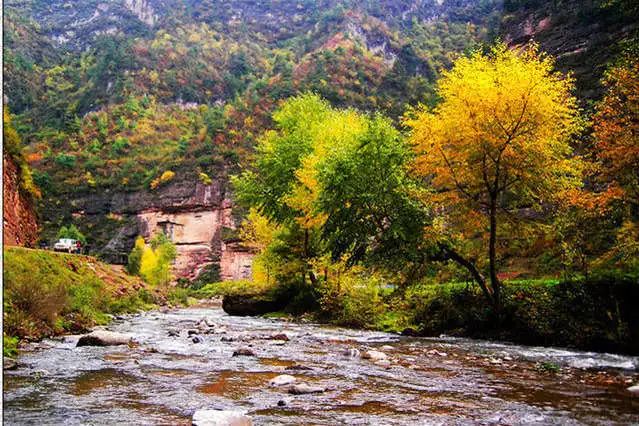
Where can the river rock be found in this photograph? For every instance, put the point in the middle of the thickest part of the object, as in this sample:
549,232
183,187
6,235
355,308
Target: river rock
243,352
174,333
634,389
104,338
387,348
352,353
9,364
280,336
282,380
374,355
197,339
303,388
246,305
297,367
221,418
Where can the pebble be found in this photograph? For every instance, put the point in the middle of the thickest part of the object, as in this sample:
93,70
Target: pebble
297,367
221,418
282,380
374,355
280,336
302,389
197,339
243,352
634,389
352,352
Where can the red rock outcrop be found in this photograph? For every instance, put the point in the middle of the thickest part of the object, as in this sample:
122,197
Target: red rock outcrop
20,227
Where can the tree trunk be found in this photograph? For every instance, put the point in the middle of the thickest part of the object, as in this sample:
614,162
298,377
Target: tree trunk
492,254
474,272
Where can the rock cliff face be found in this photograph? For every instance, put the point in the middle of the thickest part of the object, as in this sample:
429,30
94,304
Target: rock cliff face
19,220
193,215
582,35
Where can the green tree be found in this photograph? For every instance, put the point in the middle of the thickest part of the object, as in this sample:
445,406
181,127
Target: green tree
370,200
71,232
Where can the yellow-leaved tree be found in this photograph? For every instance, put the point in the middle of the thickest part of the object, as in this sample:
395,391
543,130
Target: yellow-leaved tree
496,145
153,262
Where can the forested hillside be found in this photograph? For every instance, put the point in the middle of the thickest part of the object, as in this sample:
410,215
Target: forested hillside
119,97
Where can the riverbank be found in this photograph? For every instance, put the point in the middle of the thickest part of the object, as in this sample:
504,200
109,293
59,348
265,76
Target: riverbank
166,376
47,294
597,314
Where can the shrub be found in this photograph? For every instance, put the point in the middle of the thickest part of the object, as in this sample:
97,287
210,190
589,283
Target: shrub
65,160
71,232
204,178
153,262
167,176
9,346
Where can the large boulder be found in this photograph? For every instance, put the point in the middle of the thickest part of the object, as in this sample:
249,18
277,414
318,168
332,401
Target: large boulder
221,418
104,338
246,305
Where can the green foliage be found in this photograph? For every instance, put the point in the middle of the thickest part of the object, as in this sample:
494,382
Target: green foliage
9,346
47,293
209,274
71,232
227,288
594,313
135,257
369,199
13,147
153,262
178,296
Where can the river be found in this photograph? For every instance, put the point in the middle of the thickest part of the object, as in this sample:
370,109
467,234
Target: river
163,379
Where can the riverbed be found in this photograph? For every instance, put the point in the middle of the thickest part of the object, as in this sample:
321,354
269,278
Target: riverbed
165,377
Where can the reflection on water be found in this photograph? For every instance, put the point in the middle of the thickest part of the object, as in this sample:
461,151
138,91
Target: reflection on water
164,379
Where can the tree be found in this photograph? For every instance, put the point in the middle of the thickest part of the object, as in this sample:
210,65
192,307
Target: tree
497,143
135,257
153,261
616,134
368,198
273,186
329,185
72,232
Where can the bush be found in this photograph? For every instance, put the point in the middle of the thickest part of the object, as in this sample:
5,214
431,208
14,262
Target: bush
598,313
9,346
355,301
153,262
47,293
71,232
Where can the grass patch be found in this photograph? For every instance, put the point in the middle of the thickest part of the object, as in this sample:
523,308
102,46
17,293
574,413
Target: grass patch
47,293
229,288
9,346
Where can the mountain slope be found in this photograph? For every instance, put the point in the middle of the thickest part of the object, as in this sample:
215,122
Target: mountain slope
128,105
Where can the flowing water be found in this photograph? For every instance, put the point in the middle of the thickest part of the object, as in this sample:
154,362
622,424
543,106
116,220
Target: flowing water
163,379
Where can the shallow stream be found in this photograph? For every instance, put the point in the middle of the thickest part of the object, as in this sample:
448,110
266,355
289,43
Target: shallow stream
163,379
